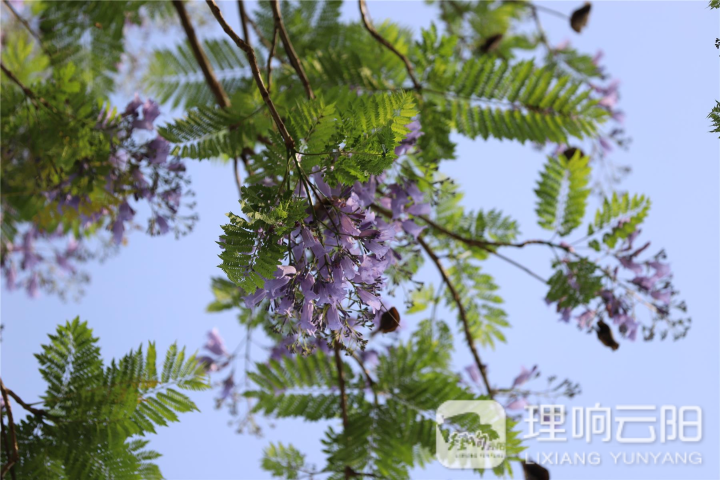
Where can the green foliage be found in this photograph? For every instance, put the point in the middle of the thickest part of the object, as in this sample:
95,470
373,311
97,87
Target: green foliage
88,35
289,388
714,115
574,283
482,303
575,63
620,216
173,74
283,461
562,193
94,413
210,132
533,103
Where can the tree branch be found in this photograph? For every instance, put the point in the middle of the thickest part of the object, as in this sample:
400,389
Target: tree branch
13,439
270,57
200,56
289,50
244,21
486,244
209,74
252,60
343,396
28,93
35,411
461,312
369,27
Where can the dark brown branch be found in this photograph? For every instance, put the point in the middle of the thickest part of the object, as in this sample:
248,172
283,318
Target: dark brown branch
35,411
270,57
461,312
341,382
209,74
252,60
289,50
244,21
369,27
26,25
485,244
200,56
12,459
28,93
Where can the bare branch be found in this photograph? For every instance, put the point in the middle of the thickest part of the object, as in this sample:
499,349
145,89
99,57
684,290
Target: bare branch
461,312
289,50
369,27
252,60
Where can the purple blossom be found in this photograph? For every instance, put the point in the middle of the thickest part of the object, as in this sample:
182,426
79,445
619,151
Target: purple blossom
410,139
517,404
412,228
158,150
215,343
524,376
150,110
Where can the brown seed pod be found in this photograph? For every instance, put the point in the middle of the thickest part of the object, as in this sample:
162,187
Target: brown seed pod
389,320
491,43
579,18
533,471
571,151
605,335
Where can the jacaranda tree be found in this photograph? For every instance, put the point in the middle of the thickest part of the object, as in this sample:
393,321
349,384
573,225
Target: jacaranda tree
337,134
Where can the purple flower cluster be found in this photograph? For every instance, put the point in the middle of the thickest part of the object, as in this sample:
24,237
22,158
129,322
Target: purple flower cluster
41,259
144,172
650,285
139,170
216,359
334,276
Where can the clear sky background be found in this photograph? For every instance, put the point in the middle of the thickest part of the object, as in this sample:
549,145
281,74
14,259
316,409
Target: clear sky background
663,52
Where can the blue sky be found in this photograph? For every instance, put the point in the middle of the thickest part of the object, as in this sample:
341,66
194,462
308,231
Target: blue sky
663,52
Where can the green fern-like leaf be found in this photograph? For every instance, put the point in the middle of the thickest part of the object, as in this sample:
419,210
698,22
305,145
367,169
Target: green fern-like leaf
174,74
562,193
620,215
283,461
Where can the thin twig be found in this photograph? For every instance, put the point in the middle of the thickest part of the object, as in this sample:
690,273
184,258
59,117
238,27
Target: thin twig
252,60
369,379
519,265
289,50
236,169
13,439
461,312
244,21
343,396
370,28
27,26
270,57
485,244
